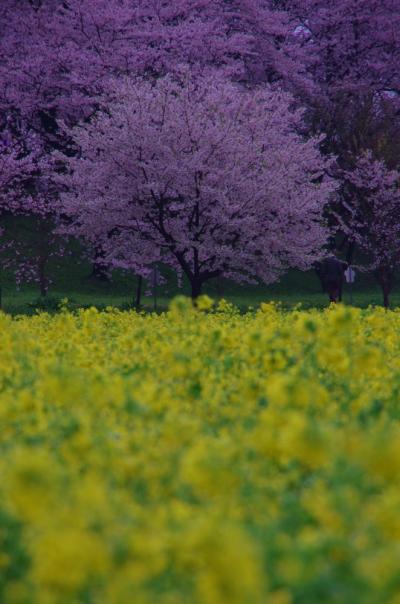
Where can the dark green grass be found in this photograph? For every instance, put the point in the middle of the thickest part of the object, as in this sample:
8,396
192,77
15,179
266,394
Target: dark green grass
72,281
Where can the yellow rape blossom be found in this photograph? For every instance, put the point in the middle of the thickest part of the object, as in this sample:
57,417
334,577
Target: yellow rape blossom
200,456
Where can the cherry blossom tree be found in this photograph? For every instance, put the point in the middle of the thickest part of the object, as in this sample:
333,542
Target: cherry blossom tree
371,217
352,50
356,42
352,95
57,57
59,60
201,175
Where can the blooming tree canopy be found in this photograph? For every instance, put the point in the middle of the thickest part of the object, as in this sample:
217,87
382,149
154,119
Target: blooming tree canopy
62,60
56,56
352,50
356,43
371,217
207,177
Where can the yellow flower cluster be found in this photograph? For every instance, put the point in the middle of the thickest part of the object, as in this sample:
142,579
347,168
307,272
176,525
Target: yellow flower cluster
201,456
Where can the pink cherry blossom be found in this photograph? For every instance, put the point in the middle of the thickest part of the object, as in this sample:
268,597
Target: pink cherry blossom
202,175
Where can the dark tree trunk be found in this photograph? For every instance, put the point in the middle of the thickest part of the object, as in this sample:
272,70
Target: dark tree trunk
196,285
385,297
350,252
139,292
43,282
385,279
197,281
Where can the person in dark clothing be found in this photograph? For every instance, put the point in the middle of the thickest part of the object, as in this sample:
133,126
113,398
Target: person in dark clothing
331,274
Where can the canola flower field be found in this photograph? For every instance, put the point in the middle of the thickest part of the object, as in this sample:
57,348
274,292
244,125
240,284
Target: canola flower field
200,457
